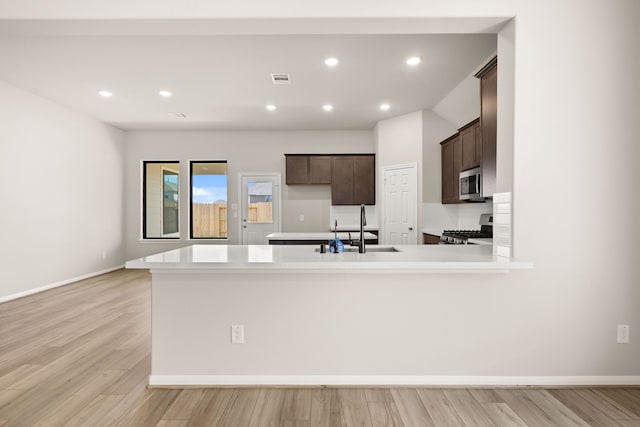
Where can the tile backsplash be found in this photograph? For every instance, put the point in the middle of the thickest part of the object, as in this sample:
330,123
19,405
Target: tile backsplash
502,224
465,216
350,216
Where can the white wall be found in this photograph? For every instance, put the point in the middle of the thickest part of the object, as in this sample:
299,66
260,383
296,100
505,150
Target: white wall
434,130
246,152
462,104
62,182
398,141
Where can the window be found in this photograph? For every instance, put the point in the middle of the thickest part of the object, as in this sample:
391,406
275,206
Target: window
160,200
208,199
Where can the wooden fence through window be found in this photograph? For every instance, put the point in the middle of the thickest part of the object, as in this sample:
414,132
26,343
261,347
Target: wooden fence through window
210,219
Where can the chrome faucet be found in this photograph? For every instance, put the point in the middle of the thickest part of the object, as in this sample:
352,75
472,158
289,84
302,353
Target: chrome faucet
363,222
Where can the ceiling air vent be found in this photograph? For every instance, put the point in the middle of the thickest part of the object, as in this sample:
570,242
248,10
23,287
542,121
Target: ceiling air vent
281,78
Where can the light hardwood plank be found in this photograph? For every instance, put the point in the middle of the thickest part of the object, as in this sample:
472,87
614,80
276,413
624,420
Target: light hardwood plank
75,403
525,408
321,400
627,400
268,409
482,395
467,408
124,404
151,410
240,408
172,423
440,409
8,396
410,407
560,414
382,407
591,414
296,407
97,412
184,405
9,381
502,415
211,407
355,411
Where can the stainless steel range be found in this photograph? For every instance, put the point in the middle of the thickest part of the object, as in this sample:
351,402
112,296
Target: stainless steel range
461,237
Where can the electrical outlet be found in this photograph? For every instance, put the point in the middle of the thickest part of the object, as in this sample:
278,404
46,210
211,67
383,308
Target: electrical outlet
301,217
623,334
237,334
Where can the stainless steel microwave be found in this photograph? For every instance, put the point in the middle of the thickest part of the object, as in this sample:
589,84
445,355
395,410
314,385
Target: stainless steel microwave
471,185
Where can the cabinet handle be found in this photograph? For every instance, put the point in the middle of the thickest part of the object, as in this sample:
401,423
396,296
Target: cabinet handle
410,228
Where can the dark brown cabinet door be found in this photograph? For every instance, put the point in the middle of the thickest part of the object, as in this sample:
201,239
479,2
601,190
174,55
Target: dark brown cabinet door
353,180
488,123
469,140
451,164
342,181
297,169
364,188
320,169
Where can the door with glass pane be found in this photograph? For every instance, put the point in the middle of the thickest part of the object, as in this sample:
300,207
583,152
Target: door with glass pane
260,207
169,202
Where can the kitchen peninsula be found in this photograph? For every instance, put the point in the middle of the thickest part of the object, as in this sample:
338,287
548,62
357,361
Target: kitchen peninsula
307,317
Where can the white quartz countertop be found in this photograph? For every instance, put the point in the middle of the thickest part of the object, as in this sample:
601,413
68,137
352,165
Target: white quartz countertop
319,236
304,258
485,241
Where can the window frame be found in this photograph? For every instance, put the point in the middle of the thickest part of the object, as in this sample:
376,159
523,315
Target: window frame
191,236
144,199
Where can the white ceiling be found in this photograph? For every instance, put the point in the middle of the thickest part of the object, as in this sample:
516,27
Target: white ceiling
223,81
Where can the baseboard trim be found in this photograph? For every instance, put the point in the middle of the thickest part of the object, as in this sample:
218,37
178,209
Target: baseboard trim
58,284
389,380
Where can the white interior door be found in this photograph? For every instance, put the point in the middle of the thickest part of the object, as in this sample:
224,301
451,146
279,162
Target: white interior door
400,202
260,207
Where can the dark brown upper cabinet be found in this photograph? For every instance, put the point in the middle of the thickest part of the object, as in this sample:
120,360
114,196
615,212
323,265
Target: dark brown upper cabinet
297,169
308,169
451,165
488,76
320,169
351,176
353,180
459,152
471,145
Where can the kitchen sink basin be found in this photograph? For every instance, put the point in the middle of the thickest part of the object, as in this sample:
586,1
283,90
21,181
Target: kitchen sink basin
370,248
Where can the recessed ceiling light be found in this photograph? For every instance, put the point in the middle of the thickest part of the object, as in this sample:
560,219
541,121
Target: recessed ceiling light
385,107
165,94
270,107
413,60
327,107
331,62
105,93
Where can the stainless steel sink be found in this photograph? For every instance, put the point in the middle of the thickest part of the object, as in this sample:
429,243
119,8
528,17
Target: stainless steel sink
370,248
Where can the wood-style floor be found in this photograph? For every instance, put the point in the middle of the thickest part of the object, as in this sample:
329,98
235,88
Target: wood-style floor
79,356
